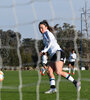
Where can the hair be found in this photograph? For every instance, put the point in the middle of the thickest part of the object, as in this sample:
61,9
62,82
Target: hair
73,50
44,22
43,53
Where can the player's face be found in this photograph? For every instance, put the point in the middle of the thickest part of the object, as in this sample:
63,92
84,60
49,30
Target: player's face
72,51
42,28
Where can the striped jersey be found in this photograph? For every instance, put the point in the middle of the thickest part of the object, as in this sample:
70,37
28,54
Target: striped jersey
50,43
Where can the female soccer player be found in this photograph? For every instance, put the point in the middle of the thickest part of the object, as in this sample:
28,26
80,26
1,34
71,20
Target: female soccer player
57,57
72,59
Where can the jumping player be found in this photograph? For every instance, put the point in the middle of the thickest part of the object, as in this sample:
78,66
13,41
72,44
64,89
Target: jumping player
57,57
72,59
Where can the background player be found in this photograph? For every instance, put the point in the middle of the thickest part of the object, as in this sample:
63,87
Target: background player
72,59
44,64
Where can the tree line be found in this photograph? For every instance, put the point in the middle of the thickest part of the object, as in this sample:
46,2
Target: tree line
65,36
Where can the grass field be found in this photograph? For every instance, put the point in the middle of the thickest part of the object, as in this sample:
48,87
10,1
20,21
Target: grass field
67,91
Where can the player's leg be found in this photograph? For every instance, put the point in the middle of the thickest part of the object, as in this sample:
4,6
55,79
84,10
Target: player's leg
43,69
50,71
69,68
73,69
59,71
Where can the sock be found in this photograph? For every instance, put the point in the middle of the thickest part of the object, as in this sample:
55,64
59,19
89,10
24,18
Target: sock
52,82
69,70
75,82
43,70
73,70
70,78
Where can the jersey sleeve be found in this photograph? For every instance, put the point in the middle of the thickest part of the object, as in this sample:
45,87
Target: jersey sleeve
48,39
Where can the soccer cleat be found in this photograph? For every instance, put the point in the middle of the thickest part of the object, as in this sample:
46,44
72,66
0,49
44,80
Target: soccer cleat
69,73
43,74
51,91
78,86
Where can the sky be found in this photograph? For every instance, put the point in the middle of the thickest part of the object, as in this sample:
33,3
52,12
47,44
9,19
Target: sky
24,15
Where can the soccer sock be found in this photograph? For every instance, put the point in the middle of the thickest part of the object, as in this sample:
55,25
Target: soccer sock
69,70
75,82
43,70
73,70
70,78
52,82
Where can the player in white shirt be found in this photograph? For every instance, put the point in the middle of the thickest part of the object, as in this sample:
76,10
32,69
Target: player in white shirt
57,57
44,59
72,60
44,64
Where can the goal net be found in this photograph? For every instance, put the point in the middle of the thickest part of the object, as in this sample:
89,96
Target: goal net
21,42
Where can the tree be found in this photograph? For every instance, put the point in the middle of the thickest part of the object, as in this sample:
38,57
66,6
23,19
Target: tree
85,30
8,48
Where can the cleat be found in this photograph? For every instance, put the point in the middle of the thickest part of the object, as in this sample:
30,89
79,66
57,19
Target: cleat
43,74
69,73
78,86
51,91
73,73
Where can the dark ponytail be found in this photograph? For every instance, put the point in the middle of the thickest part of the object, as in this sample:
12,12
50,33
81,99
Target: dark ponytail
44,22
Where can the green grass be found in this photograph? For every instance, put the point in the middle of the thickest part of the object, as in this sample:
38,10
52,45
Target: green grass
67,91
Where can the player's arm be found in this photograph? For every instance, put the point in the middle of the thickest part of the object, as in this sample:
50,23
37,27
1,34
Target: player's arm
49,40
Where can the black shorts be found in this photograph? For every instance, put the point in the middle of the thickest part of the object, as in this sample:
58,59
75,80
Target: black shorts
58,56
72,63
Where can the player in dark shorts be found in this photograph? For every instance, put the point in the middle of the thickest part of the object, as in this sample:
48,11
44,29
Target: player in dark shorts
72,59
57,57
